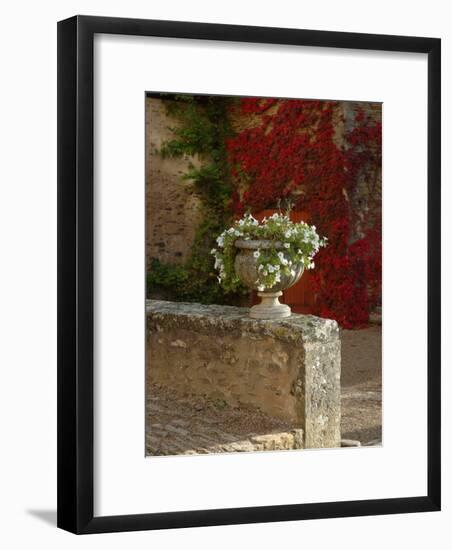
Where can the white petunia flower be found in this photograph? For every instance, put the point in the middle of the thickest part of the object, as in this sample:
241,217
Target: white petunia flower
256,254
286,245
261,288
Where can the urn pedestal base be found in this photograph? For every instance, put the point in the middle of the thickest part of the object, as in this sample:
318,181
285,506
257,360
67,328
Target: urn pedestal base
270,307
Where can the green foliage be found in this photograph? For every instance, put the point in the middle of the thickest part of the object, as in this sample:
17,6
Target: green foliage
288,245
186,283
202,131
166,275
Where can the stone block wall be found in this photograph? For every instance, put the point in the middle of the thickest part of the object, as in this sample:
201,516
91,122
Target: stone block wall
365,204
173,210
289,369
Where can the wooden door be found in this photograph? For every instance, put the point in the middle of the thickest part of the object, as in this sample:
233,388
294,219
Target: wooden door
300,297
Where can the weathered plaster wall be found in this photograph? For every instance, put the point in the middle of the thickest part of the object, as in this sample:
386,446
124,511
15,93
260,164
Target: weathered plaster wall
290,369
173,211
365,204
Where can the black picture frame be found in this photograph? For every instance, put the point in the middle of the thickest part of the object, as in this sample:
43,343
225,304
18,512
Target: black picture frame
76,263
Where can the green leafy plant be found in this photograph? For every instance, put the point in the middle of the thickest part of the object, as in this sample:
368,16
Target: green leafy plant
203,131
287,244
176,282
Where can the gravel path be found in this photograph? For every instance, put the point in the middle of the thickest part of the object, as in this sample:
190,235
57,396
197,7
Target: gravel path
184,426
192,426
361,382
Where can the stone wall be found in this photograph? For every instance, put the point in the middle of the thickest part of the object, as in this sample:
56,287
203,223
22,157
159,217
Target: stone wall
365,204
173,211
289,369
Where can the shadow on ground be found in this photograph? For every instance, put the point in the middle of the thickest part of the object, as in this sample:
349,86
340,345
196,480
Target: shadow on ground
47,516
192,426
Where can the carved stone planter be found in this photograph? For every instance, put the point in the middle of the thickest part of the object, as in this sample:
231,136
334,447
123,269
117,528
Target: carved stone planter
246,269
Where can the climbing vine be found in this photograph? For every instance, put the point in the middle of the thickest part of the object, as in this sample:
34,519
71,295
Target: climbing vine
202,131
289,150
283,149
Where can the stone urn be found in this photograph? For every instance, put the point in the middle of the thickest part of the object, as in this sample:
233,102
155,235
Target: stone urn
246,269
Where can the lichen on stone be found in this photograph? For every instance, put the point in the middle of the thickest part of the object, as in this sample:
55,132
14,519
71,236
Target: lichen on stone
304,328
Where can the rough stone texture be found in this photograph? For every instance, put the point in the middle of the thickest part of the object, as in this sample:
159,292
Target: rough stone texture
172,207
176,425
289,369
365,202
173,210
210,426
361,409
361,385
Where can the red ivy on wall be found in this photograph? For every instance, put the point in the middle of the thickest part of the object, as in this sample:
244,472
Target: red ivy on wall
289,150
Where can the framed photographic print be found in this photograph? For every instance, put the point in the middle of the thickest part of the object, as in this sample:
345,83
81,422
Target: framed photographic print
249,274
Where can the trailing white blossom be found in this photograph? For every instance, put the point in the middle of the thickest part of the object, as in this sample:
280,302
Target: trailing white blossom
292,245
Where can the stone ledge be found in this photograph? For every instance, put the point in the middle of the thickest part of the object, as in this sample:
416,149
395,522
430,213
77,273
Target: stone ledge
289,368
306,328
